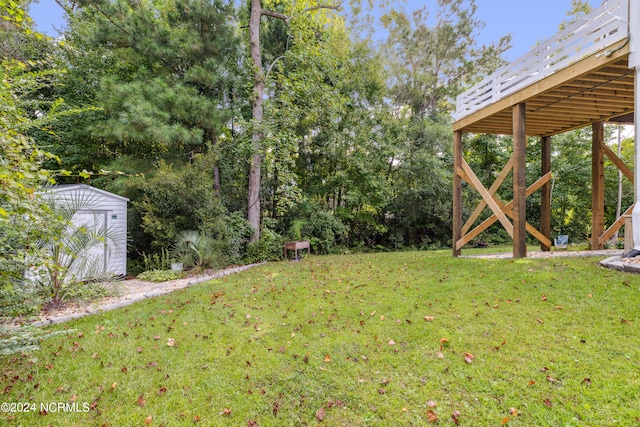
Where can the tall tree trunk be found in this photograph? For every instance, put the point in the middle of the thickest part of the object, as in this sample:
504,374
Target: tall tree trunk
216,168
216,179
253,213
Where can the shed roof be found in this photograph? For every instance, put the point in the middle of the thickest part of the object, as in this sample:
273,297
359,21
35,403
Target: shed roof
74,187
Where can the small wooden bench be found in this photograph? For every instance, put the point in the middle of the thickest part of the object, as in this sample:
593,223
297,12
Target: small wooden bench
295,246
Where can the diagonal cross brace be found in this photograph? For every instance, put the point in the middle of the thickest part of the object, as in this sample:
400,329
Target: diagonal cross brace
508,210
469,176
492,191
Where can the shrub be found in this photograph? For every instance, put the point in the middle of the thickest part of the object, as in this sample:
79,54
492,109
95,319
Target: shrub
18,301
157,261
75,264
23,339
160,275
268,248
327,232
197,250
180,199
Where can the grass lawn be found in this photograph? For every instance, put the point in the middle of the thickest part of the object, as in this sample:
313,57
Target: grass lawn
357,340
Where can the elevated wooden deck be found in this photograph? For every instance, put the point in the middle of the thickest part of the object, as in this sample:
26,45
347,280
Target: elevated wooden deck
579,76
584,75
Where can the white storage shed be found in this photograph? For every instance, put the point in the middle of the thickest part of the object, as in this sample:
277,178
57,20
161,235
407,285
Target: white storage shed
99,208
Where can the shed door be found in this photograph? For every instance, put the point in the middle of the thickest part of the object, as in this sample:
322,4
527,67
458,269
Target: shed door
96,221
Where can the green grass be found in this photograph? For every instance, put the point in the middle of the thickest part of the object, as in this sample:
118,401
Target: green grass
555,339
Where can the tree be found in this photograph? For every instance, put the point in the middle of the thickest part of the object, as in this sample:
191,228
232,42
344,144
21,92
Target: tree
257,12
24,218
163,71
431,65
579,8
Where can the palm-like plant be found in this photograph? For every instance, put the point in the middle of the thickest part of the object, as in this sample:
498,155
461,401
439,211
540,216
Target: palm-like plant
196,250
78,255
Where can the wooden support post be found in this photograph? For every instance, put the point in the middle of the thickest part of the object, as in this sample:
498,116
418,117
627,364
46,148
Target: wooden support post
597,185
457,192
519,181
545,192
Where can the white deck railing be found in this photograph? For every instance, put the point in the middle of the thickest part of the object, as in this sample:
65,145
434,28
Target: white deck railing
600,29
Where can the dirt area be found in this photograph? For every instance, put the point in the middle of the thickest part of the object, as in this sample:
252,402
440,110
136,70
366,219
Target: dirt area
130,291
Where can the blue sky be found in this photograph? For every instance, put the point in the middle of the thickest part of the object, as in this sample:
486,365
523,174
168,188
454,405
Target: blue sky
528,21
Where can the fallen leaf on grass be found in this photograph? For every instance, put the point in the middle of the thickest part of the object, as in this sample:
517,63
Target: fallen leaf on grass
392,342
428,318
468,358
505,420
171,342
586,381
551,379
320,414
431,404
432,417
225,412
148,420
162,390
113,386
513,412
547,403
455,417
544,298
327,358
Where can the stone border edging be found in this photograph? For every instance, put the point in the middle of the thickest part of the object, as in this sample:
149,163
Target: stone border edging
124,303
616,263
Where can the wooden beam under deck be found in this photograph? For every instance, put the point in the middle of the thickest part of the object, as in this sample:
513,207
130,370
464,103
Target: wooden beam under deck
457,192
545,192
519,181
597,185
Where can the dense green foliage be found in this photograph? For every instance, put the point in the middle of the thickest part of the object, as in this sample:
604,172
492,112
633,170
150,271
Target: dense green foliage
25,219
